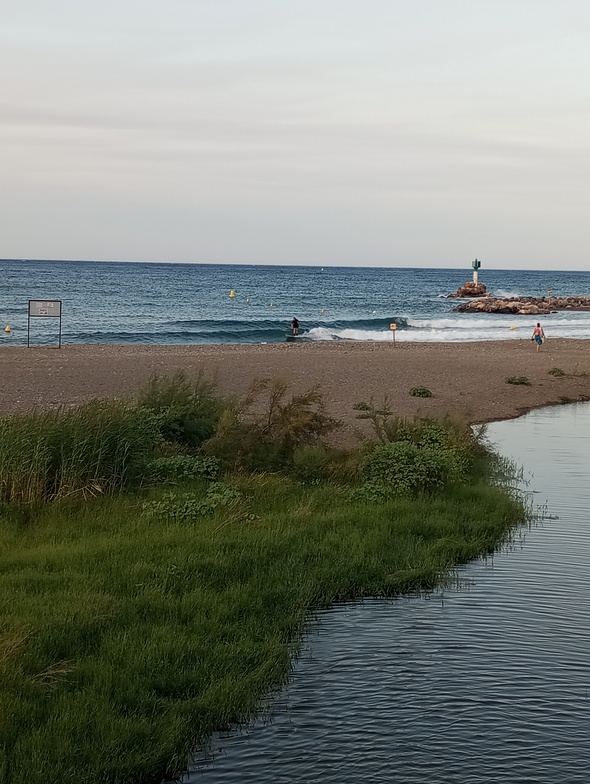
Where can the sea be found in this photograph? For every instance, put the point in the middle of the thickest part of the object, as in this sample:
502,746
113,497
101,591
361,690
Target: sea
170,303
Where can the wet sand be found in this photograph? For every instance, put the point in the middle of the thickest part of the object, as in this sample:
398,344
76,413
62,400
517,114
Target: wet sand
466,379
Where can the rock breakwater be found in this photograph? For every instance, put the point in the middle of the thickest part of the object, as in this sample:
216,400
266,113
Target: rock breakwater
470,289
523,306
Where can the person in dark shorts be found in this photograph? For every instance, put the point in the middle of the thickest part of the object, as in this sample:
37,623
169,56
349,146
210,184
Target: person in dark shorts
538,335
294,326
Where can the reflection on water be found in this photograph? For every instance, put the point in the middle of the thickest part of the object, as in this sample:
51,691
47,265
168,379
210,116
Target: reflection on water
485,682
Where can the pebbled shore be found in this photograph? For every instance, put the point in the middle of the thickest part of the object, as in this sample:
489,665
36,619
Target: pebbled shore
466,379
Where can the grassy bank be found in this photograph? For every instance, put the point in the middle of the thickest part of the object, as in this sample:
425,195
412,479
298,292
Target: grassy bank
134,624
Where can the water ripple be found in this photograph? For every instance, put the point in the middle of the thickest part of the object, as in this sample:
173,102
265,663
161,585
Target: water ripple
486,681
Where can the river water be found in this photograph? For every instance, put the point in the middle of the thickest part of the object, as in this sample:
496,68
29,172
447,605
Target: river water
484,681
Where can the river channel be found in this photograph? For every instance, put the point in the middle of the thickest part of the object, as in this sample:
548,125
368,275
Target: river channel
487,680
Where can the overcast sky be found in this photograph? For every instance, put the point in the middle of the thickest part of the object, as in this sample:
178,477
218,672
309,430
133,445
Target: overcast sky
373,132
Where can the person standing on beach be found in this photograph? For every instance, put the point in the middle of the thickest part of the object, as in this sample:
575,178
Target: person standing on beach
538,335
294,326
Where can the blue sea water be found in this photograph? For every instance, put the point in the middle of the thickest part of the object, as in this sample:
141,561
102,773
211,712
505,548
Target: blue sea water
116,302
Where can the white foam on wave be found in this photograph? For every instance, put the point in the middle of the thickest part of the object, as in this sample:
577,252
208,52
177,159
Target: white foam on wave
457,331
505,294
465,323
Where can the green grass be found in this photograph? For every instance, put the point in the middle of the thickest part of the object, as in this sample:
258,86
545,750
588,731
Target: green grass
155,577
97,448
128,637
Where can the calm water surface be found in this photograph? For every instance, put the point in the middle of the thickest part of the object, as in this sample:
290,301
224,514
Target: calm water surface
488,681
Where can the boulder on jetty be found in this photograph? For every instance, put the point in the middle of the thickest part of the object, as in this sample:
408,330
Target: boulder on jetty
470,289
523,306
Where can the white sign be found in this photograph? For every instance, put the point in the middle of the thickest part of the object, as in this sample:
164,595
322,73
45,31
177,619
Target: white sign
45,307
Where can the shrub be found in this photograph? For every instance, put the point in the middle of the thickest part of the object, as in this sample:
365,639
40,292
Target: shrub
314,464
420,392
261,432
380,417
187,411
557,372
187,507
373,491
404,468
452,440
311,464
522,380
453,436
179,468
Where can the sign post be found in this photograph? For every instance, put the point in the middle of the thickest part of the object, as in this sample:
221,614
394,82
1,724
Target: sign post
393,327
43,308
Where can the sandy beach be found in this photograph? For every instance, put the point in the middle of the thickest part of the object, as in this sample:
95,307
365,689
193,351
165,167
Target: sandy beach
467,379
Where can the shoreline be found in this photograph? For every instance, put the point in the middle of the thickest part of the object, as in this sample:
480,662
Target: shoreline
466,379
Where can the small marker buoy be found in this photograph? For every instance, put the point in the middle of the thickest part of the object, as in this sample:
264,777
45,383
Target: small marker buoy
513,327
232,294
323,311
7,328
248,300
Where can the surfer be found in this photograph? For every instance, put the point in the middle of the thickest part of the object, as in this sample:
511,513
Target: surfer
294,326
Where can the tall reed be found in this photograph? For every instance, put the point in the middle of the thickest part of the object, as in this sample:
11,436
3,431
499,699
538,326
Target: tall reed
97,448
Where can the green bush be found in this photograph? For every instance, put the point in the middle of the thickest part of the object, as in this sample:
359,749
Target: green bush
180,468
187,411
188,507
261,432
373,491
557,372
315,464
311,464
452,440
420,392
449,435
404,468
518,380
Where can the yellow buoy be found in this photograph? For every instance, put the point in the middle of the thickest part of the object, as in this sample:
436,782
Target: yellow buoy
232,294
7,329
513,327
323,311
